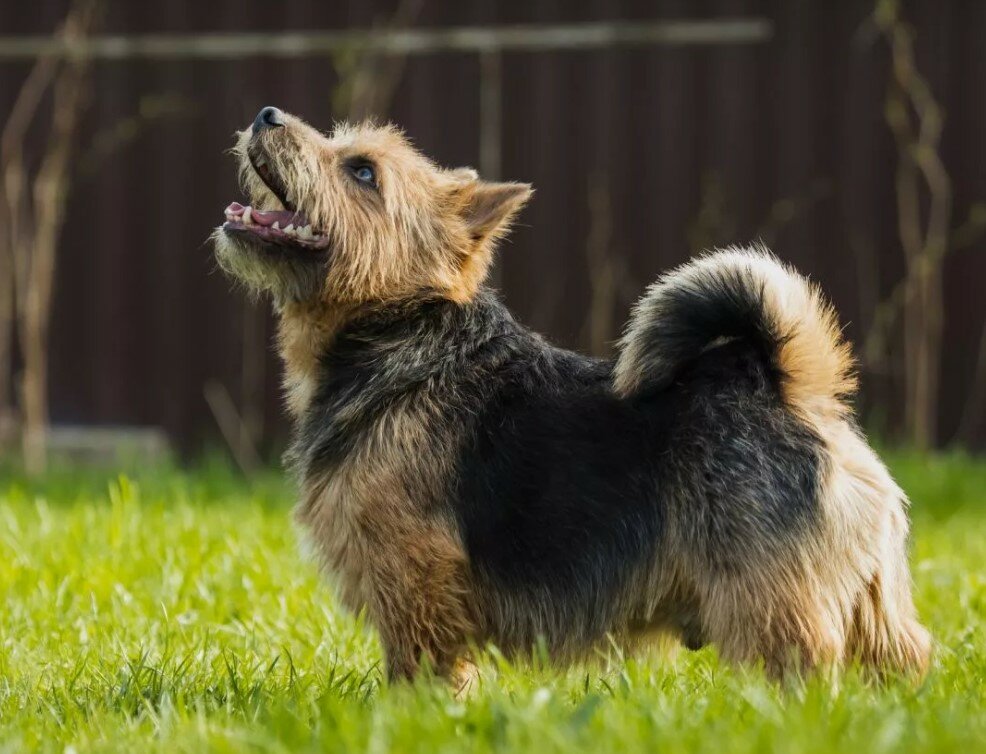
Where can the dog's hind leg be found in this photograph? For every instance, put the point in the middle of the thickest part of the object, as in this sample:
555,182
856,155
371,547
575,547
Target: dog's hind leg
840,593
867,515
885,634
775,616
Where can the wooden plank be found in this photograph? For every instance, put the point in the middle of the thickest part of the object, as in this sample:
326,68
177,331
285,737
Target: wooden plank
293,44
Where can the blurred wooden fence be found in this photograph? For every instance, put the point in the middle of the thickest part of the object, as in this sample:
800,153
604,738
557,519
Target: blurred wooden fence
640,155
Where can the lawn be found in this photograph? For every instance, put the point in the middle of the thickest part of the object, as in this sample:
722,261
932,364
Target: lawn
171,611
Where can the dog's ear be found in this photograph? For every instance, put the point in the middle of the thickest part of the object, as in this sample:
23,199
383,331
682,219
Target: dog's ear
487,208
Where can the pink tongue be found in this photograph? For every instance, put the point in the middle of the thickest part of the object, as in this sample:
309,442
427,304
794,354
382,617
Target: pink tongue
268,217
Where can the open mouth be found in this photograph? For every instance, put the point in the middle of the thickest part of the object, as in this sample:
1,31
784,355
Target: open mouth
258,159
287,227
282,227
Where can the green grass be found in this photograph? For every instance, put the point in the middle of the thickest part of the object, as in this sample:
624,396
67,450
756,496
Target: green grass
173,613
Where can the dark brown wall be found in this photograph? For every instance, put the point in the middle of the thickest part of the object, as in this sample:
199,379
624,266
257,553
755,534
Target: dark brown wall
142,320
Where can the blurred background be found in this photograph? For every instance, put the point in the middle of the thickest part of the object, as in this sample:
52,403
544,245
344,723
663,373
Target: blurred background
848,136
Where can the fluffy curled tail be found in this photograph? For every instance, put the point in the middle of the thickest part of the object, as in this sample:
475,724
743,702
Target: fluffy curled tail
740,294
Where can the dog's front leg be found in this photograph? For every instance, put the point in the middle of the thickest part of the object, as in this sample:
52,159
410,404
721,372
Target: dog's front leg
415,634
419,601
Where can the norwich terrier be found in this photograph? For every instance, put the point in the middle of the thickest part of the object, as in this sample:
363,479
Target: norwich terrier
465,482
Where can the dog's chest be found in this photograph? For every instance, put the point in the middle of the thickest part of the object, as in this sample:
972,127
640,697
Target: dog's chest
333,516
377,494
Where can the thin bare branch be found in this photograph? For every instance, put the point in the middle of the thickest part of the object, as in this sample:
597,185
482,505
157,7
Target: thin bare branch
238,437
924,217
34,251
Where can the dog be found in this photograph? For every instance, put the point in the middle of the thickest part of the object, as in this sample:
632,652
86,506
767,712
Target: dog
465,482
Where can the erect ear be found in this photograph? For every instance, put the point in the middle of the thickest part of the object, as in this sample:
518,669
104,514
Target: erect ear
488,208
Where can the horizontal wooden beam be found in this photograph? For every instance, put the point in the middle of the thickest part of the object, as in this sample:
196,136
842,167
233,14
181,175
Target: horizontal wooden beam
477,39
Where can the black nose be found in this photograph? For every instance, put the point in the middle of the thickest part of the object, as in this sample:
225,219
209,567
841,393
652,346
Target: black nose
269,117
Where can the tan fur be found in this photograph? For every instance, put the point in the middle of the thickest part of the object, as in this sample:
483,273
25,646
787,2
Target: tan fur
465,678
427,228
407,570
305,329
867,512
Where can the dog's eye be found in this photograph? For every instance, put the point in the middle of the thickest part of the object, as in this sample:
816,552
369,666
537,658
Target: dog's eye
364,174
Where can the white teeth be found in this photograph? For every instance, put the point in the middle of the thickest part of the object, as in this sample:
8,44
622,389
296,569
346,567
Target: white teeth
305,232
276,225
290,229
247,219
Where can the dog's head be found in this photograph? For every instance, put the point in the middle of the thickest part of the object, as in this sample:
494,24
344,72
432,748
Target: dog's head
358,216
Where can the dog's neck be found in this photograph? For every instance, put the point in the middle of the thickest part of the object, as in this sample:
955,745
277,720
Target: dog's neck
312,333
381,362
305,332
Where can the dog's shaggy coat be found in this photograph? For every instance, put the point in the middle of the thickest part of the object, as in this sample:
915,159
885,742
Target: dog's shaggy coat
464,481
